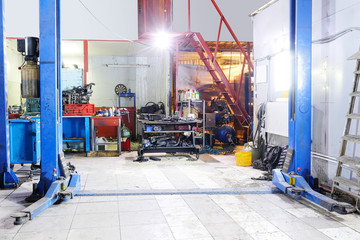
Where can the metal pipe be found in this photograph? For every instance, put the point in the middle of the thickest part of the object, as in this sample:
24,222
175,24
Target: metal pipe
233,34
217,40
292,79
189,29
49,91
144,12
86,60
211,191
300,135
249,72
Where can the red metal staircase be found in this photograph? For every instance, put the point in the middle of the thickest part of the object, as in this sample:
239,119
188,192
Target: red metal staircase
220,79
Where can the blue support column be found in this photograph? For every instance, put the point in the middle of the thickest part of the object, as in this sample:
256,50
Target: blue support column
58,65
300,96
51,139
7,177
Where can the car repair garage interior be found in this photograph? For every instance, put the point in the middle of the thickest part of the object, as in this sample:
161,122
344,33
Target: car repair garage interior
179,119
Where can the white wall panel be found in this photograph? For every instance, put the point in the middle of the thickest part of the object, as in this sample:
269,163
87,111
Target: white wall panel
205,19
332,73
149,83
13,75
277,118
271,30
118,19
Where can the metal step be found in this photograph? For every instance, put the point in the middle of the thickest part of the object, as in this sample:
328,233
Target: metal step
355,94
352,138
353,116
348,183
353,162
357,72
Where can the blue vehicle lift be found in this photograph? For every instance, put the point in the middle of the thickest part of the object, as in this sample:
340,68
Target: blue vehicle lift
58,181
296,182
7,177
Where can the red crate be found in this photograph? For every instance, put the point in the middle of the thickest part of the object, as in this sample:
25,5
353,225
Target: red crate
79,110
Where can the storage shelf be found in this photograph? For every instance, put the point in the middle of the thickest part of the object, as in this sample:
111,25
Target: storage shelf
168,131
196,101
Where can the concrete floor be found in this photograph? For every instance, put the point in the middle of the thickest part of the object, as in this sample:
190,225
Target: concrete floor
196,217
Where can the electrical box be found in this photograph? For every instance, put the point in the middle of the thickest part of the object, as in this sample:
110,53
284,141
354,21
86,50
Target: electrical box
210,120
24,139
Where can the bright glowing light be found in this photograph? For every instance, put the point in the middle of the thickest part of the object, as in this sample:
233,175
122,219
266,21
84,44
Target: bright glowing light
162,40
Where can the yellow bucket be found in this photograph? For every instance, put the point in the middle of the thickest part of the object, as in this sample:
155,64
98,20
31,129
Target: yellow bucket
243,158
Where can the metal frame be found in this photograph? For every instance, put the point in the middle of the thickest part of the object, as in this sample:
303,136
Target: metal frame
7,177
55,184
219,77
94,144
295,183
188,102
86,60
128,95
176,149
49,86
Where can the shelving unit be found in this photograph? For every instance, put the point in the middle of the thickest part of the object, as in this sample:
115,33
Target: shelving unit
193,102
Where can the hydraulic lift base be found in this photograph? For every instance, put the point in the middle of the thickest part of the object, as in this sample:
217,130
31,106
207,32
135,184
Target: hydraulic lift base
297,187
60,190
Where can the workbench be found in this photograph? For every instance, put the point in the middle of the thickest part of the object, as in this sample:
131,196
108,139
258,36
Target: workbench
77,129
168,128
105,122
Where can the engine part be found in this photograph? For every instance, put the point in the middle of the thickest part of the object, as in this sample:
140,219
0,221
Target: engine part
120,88
30,80
30,73
157,128
219,105
33,105
29,47
226,134
15,109
78,95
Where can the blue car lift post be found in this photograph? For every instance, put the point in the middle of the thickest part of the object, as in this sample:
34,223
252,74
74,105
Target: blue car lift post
296,183
8,178
57,182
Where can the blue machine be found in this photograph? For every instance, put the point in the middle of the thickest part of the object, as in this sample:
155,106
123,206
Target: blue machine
296,183
225,134
58,181
127,95
24,138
